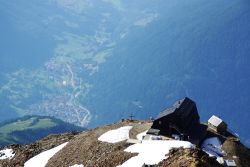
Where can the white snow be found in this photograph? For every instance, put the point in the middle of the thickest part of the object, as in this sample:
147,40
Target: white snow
212,146
6,154
154,137
76,165
116,135
220,160
151,152
41,159
140,136
212,141
210,153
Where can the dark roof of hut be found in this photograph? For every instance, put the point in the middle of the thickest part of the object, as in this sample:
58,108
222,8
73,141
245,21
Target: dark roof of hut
174,108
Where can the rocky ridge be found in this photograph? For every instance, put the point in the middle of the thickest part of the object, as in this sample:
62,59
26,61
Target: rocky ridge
85,148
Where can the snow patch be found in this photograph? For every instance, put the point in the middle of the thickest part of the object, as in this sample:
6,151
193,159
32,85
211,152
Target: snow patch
140,136
116,135
212,141
212,146
220,160
6,154
152,152
76,165
41,159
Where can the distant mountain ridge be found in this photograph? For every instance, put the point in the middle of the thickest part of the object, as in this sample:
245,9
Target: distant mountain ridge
27,129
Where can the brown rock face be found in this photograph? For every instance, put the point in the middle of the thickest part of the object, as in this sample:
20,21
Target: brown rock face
238,152
25,152
188,158
84,148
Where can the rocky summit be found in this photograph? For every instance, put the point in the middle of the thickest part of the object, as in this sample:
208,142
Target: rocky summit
176,137
123,144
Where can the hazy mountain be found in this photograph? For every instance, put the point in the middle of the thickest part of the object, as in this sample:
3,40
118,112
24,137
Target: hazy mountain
28,129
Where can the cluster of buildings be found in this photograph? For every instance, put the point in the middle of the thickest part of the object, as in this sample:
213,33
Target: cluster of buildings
182,122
